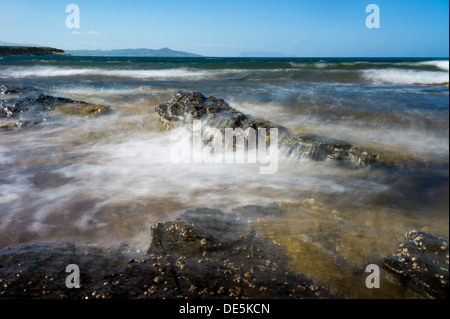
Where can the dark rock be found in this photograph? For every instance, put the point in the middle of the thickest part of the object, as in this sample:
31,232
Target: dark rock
3,113
14,106
203,253
31,106
325,149
218,255
5,89
422,263
39,270
188,106
44,103
198,230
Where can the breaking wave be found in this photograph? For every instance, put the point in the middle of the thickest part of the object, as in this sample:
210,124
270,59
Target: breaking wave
396,76
67,72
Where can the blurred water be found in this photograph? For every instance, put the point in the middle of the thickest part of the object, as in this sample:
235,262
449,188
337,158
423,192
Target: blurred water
107,180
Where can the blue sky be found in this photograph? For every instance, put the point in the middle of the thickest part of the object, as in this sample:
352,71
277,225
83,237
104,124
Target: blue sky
319,28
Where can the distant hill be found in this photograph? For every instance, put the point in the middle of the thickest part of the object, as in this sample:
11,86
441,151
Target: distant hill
164,52
8,50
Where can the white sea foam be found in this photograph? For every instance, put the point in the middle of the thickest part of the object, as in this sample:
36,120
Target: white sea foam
137,170
165,74
318,65
105,181
22,72
415,140
143,163
443,65
397,76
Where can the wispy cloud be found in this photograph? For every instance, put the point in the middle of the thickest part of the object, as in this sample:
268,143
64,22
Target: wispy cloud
295,41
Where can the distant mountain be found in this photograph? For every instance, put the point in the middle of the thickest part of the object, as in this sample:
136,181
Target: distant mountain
254,54
164,52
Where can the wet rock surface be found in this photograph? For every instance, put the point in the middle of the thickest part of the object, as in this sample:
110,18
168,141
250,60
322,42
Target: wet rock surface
6,89
219,255
188,106
325,149
22,106
203,253
38,270
422,263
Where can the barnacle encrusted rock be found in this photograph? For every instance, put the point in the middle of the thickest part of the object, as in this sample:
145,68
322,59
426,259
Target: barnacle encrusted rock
203,253
421,262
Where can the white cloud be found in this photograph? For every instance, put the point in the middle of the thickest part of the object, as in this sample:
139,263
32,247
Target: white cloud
93,32
295,41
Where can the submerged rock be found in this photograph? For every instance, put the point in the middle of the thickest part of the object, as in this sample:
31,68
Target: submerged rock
188,106
325,149
204,253
28,106
422,263
5,89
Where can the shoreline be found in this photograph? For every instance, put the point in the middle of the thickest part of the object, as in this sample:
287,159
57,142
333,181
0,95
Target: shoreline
287,249
88,145
206,254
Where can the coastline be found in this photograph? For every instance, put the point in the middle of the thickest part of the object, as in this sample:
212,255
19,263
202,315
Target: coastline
206,254
30,51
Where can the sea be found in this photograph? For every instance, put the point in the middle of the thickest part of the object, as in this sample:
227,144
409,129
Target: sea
107,180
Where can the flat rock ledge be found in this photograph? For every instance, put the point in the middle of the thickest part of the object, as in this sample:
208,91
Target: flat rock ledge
23,106
203,253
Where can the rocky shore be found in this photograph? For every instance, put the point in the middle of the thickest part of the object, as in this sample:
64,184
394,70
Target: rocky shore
298,250
188,106
421,262
22,106
216,113
202,253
